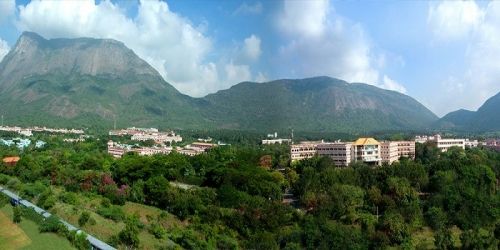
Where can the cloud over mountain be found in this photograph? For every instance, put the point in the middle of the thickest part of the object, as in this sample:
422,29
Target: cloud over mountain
321,42
169,42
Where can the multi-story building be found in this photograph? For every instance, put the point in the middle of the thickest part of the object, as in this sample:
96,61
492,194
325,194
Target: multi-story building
303,150
157,137
389,151
367,150
444,144
339,152
406,149
471,143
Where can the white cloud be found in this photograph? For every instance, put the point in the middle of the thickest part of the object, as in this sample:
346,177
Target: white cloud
245,8
4,49
261,77
454,19
308,18
251,48
390,84
7,9
324,43
166,40
479,81
237,73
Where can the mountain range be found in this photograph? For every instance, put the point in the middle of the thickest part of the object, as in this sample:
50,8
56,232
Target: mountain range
86,82
486,118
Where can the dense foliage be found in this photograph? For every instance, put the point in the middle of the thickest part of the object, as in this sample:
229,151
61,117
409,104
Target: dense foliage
231,197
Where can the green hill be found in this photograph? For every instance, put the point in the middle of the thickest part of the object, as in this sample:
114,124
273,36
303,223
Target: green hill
315,104
486,118
87,82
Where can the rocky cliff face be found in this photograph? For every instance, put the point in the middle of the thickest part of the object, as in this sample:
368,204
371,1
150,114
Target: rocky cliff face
75,80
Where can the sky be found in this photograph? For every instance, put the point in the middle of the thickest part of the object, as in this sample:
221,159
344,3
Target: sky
445,54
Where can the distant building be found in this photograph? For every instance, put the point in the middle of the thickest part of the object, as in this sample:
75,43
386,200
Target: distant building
492,144
276,141
442,144
471,143
367,150
11,161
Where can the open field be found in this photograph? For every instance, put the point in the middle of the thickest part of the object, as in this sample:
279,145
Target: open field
26,236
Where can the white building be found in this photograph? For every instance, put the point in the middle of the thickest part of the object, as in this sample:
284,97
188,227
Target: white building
367,150
446,143
471,143
276,141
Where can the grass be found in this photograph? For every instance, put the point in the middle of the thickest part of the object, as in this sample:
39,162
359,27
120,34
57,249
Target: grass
25,235
104,228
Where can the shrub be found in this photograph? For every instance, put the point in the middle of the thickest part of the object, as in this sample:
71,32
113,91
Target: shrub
157,231
17,214
51,224
84,218
69,198
112,212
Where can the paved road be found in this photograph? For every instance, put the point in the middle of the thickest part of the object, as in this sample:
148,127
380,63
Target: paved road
96,243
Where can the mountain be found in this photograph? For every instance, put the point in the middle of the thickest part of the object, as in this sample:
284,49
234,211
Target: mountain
456,119
486,118
86,82
315,104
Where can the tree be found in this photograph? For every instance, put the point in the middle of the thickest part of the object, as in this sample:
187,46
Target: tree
443,239
17,216
84,218
129,236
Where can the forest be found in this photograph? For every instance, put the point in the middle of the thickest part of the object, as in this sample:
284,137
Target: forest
232,197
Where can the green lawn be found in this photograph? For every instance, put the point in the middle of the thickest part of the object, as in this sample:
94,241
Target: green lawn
25,235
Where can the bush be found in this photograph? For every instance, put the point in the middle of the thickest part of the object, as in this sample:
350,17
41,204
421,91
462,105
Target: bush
157,231
112,212
69,198
51,224
4,179
17,214
84,218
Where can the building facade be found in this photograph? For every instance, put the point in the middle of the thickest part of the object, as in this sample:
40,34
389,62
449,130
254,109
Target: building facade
339,152
389,152
367,150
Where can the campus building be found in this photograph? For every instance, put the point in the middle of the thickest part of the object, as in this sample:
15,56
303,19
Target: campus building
389,152
339,152
367,150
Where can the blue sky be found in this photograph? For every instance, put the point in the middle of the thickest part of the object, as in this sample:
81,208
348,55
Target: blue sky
444,54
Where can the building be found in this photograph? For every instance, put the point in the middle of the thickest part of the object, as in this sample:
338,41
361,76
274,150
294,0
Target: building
406,149
389,152
444,144
339,152
492,144
276,141
367,150
471,143
303,150
161,137
11,161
